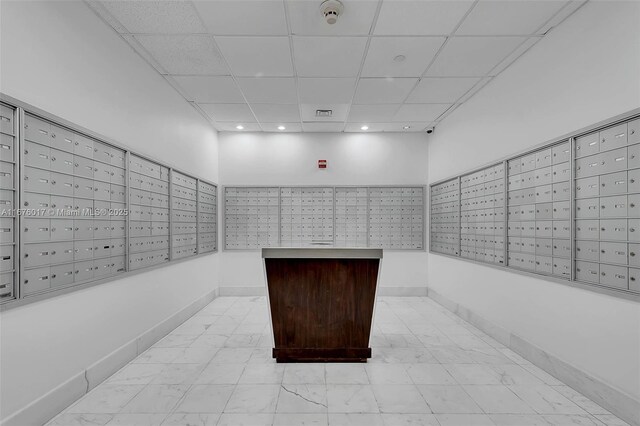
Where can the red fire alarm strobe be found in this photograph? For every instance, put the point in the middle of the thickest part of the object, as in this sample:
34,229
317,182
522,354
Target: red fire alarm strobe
322,164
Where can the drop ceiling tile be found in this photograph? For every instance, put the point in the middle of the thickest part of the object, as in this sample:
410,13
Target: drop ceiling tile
420,112
272,113
288,127
185,54
387,127
231,127
356,18
328,56
208,89
372,113
441,90
155,17
308,112
276,90
472,56
523,17
238,113
418,53
257,56
322,127
419,17
326,90
247,17
383,90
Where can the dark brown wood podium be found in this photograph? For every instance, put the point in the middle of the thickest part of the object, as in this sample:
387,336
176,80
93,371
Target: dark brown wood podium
321,302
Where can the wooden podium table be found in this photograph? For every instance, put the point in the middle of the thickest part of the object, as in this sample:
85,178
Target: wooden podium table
321,302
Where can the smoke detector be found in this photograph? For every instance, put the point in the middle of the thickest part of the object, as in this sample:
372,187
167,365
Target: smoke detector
331,9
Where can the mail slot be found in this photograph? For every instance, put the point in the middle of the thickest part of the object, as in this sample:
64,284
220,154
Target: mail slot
587,229
7,148
36,230
544,211
588,250
6,258
587,145
614,253
62,139
561,191
83,187
117,157
613,184
561,172
37,255
587,272
36,130
561,229
102,190
561,248
101,152
37,155
36,280
562,267
588,187
588,208
62,184
102,171
615,206
613,229
613,137
35,180
62,229
62,275
84,270
614,276
613,161
544,247
561,153
83,146
62,162
83,166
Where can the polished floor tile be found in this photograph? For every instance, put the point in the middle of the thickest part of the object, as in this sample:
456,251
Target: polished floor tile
429,368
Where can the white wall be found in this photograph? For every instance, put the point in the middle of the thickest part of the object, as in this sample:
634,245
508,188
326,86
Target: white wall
584,71
353,159
60,57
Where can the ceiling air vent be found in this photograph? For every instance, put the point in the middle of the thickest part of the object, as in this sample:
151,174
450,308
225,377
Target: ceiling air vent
324,113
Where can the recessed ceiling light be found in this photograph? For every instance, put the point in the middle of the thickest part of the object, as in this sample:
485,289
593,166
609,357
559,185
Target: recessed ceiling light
406,127
399,58
240,127
281,128
364,128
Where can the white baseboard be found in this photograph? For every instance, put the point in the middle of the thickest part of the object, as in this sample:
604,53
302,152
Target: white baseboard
382,291
403,291
242,291
616,401
53,402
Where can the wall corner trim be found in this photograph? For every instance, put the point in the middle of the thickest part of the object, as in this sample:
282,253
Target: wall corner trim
615,400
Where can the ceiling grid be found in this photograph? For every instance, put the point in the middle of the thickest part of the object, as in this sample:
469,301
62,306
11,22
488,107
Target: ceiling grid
385,65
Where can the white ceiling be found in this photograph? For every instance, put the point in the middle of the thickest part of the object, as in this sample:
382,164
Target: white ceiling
264,64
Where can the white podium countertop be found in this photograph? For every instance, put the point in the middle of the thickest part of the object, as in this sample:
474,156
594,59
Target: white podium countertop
321,253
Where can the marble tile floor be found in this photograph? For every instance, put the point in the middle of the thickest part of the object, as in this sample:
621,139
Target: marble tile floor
429,367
